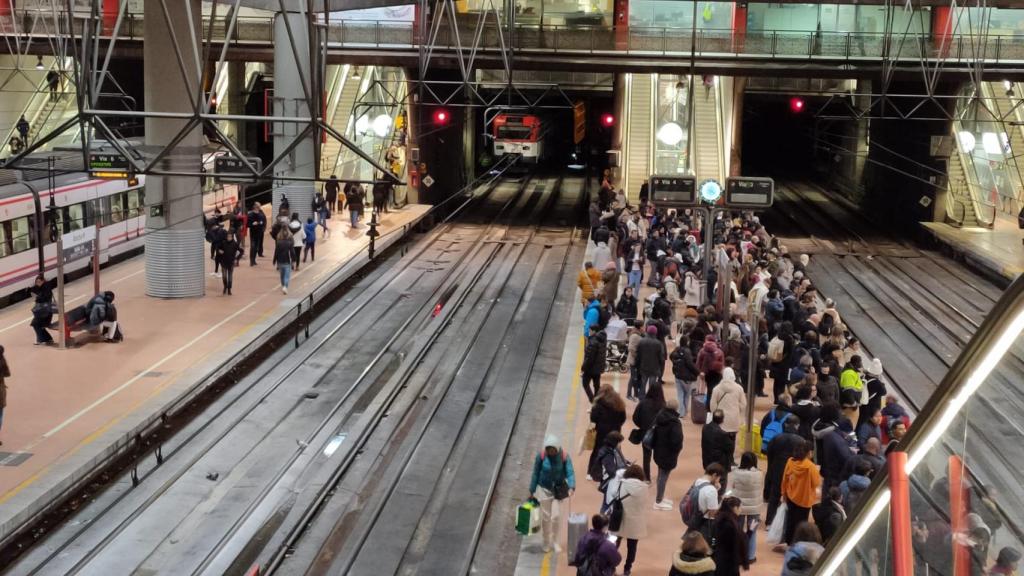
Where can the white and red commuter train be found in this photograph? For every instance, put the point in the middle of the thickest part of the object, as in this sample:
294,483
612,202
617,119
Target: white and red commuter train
117,208
520,134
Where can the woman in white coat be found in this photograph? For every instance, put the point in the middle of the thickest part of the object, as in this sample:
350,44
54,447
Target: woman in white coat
732,400
747,484
632,491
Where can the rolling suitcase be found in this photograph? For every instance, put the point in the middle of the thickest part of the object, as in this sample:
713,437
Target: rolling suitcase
577,528
698,404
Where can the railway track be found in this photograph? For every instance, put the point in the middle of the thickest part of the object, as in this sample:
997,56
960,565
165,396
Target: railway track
248,478
916,310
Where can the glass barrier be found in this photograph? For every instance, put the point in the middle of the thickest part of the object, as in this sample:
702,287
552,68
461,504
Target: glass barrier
964,453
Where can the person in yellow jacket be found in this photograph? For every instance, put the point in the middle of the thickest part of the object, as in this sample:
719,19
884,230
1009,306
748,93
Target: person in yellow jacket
800,484
850,378
589,279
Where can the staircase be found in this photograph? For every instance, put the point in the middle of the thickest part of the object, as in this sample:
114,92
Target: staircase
639,134
331,151
707,135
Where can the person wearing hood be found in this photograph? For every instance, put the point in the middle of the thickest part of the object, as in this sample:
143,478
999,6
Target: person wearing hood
804,553
711,363
594,360
667,443
800,482
552,481
591,316
730,398
610,282
588,280
829,514
854,487
980,537
603,554
691,289
650,360
298,239
875,390
834,450
693,557
630,488
736,349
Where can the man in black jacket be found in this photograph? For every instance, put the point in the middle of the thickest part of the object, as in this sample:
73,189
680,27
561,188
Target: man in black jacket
685,372
650,360
667,444
594,359
257,227
717,445
780,449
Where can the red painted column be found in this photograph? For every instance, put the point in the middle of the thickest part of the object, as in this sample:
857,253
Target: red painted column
739,26
942,29
621,24
899,514
958,508
5,7
109,11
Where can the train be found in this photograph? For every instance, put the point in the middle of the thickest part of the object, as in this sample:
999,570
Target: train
82,201
520,134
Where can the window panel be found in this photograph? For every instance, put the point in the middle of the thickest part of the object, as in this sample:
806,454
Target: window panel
21,235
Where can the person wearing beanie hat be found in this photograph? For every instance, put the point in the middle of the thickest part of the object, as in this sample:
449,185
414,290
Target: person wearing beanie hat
874,389
553,480
1007,562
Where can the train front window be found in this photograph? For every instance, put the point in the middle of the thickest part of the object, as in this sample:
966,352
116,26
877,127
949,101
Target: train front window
21,236
514,132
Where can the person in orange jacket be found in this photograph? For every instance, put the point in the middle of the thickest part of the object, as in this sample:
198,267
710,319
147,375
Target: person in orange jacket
800,483
589,280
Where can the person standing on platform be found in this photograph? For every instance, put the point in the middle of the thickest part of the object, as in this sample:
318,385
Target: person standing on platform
632,492
608,414
693,557
800,484
595,547
322,212
5,373
747,484
730,542
588,280
650,361
684,369
380,197
257,221
309,240
42,310
354,199
716,445
229,254
283,255
711,363
215,235
552,481
594,361
331,188
668,443
730,398
644,416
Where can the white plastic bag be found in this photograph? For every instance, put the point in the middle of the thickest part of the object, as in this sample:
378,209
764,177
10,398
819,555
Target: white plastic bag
778,527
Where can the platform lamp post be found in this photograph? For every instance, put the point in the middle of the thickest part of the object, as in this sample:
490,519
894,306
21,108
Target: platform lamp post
56,236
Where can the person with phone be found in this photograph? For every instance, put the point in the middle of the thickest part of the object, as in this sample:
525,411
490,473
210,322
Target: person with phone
596,555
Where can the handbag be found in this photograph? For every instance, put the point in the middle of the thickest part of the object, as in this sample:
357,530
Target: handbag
561,488
648,439
616,511
777,528
590,438
637,436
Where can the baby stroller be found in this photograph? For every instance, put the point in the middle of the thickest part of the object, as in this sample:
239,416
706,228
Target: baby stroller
617,350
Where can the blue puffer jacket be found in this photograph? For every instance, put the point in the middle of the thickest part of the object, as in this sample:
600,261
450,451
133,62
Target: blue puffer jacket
800,558
591,317
546,471
310,229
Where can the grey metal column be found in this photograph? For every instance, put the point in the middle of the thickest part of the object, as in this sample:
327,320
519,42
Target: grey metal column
174,238
291,69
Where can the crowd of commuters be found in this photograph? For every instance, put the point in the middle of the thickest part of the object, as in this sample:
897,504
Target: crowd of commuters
830,428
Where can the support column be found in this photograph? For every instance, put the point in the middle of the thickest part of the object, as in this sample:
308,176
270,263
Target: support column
235,102
739,90
110,10
175,245
959,507
899,513
291,69
621,24
739,26
942,29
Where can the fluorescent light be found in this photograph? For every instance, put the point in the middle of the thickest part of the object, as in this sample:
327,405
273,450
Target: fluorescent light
362,124
859,531
967,141
381,125
979,375
670,134
990,141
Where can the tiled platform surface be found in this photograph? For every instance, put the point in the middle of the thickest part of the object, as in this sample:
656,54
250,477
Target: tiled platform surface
70,409
999,250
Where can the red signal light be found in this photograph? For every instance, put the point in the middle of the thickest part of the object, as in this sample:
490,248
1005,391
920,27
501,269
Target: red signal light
796,104
607,120
441,116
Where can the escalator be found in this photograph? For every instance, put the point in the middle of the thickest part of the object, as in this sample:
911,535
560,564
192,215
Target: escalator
707,141
343,96
639,128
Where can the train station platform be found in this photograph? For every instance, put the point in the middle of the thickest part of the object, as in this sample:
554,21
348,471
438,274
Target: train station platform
998,250
569,420
69,410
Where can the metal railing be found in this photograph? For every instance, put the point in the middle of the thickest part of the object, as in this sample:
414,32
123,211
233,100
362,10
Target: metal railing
645,40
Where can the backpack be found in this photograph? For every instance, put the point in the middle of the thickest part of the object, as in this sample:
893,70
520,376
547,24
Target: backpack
616,511
689,507
776,349
773,429
603,317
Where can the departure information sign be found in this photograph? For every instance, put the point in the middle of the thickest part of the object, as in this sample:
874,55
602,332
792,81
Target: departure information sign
232,169
108,165
749,192
674,190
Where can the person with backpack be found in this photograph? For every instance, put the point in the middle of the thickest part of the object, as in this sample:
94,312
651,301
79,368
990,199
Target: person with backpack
594,361
747,484
596,555
608,414
800,483
730,542
322,212
854,487
710,363
650,360
309,240
298,238
553,480
773,422
644,416
685,372
216,236
627,505
700,503
780,450
607,461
